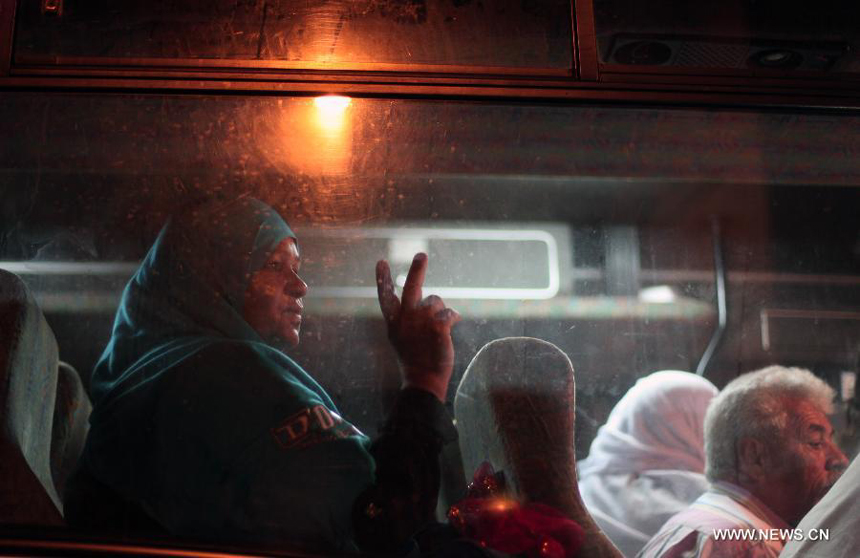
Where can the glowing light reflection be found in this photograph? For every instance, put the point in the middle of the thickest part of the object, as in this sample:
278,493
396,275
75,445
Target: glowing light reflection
658,294
502,504
331,110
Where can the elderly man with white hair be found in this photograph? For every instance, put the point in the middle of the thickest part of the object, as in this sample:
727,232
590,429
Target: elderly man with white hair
769,455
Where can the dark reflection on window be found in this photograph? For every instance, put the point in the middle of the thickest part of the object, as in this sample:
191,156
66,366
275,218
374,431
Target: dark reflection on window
509,33
626,196
761,37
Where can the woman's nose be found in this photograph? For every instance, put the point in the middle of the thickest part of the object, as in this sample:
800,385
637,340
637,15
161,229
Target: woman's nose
295,287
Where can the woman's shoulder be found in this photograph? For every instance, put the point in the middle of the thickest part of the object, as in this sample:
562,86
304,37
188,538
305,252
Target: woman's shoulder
231,349
228,357
241,373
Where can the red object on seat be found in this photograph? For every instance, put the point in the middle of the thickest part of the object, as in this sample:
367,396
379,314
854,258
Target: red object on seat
497,522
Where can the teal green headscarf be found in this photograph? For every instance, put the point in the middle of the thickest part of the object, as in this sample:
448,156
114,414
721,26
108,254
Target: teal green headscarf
189,288
211,431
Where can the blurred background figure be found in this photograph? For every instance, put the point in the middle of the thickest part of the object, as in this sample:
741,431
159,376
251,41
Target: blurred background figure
770,456
647,462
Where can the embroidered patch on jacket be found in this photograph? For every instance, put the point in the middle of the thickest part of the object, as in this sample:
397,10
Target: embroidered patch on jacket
311,426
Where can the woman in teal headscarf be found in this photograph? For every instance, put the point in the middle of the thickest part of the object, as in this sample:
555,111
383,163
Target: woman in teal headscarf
202,427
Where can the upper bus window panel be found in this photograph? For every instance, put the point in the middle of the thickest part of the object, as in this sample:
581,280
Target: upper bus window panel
301,33
591,227
776,38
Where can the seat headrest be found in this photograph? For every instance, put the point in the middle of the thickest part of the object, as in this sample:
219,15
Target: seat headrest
28,387
514,408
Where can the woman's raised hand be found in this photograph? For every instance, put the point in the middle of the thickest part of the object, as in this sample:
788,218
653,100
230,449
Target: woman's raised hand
419,328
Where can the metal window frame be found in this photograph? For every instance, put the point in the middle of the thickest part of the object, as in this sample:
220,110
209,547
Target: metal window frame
587,80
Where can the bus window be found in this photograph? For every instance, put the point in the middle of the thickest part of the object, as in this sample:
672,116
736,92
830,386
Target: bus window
613,232
506,37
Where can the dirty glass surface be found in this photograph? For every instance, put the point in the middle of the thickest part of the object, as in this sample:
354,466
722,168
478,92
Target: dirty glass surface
330,33
592,227
763,38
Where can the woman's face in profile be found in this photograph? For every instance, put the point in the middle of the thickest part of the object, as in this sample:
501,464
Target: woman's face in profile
273,300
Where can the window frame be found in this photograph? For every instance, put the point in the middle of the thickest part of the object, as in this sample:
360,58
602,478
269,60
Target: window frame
587,80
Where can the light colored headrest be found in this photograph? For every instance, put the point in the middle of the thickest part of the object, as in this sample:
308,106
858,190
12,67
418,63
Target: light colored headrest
514,408
28,387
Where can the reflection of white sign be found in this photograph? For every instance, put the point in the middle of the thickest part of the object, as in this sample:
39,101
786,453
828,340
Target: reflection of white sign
402,250
493,246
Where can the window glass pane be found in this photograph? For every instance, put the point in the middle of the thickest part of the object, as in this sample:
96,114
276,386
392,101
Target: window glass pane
592,227
764,38
315,33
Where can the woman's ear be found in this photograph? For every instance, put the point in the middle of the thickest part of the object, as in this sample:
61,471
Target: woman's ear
753,460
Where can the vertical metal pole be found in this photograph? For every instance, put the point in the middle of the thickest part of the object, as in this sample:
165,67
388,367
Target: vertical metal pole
722,312
585,41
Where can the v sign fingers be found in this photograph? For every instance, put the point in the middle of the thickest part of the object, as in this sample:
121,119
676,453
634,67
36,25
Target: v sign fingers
388,301
447,318
419,330
415,281
432,303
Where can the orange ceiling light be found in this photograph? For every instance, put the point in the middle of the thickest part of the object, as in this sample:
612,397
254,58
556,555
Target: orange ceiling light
331,110
332,104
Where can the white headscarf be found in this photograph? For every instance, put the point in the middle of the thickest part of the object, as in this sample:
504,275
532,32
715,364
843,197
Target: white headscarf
647,462
658,424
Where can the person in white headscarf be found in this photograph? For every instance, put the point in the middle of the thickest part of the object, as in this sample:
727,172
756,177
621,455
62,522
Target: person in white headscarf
647,462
